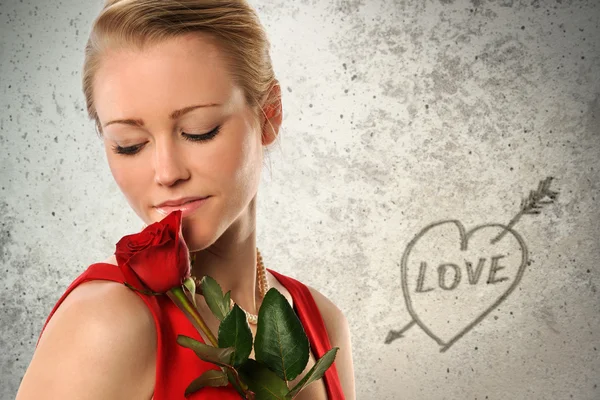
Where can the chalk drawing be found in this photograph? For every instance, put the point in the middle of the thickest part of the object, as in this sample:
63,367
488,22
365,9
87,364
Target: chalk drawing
436,287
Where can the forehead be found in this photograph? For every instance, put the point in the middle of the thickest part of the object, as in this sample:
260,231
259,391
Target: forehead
172,74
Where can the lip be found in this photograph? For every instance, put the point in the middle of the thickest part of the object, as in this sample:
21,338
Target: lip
186,205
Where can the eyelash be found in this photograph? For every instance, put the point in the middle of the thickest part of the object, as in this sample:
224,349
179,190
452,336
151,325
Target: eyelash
132,150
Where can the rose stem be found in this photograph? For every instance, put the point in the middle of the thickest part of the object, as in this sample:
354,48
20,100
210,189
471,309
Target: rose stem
187,306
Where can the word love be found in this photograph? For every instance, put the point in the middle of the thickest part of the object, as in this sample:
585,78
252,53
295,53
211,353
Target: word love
469,307
450,275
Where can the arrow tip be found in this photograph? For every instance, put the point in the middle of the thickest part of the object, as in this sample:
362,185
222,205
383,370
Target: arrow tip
393,335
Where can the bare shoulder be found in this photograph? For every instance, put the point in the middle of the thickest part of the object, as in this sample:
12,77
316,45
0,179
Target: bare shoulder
100,339
335,320
338,331
328,309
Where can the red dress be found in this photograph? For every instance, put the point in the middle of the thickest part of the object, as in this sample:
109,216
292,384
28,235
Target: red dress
177,367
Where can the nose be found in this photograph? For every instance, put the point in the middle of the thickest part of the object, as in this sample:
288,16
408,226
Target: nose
169,163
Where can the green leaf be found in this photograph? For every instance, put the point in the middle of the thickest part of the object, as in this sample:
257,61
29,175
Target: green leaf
215,355
316,372
227,300
281,342
214,297
190,285
214,378
263,382
235,332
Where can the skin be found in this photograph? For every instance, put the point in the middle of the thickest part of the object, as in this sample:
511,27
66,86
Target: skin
104,333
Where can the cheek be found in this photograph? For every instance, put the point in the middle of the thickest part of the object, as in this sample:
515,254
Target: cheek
120,176
242,162
128,178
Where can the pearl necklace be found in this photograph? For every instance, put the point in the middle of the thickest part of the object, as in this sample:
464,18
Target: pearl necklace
262,281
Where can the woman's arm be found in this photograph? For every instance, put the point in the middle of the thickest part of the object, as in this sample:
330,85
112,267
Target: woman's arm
100,344
339,336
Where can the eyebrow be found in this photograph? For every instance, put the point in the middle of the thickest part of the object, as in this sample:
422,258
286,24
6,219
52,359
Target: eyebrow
174,115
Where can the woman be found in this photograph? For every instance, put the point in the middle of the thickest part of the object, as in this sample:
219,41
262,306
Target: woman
184,97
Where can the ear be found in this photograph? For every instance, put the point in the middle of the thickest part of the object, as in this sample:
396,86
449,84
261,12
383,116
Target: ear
273,115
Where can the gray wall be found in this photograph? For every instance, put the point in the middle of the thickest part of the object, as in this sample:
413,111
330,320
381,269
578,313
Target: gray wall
398,115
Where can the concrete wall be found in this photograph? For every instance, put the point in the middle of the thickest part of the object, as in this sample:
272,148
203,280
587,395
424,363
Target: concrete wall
399,115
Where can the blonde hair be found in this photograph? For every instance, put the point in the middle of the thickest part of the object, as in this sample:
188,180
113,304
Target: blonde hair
139,23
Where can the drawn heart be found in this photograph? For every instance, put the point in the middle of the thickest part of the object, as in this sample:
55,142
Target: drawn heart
447,297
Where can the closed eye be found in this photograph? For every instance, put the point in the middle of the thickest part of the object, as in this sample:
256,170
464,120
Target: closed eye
129,150
203,137
132,150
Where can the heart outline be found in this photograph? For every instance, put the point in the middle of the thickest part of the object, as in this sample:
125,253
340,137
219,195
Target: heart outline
464,238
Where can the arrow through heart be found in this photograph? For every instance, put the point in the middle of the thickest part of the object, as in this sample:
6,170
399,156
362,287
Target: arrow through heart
452,282
441,300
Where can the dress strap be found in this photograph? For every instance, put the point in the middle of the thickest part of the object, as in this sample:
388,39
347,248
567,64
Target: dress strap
314,326
98,271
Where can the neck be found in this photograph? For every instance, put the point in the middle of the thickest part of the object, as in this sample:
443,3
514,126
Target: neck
231,261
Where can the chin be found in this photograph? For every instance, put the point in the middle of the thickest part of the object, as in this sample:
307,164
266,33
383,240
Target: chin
198,235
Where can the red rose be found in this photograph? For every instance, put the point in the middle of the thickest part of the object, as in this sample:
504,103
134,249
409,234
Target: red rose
157,258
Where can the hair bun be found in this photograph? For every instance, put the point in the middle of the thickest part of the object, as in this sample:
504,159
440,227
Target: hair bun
108,3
